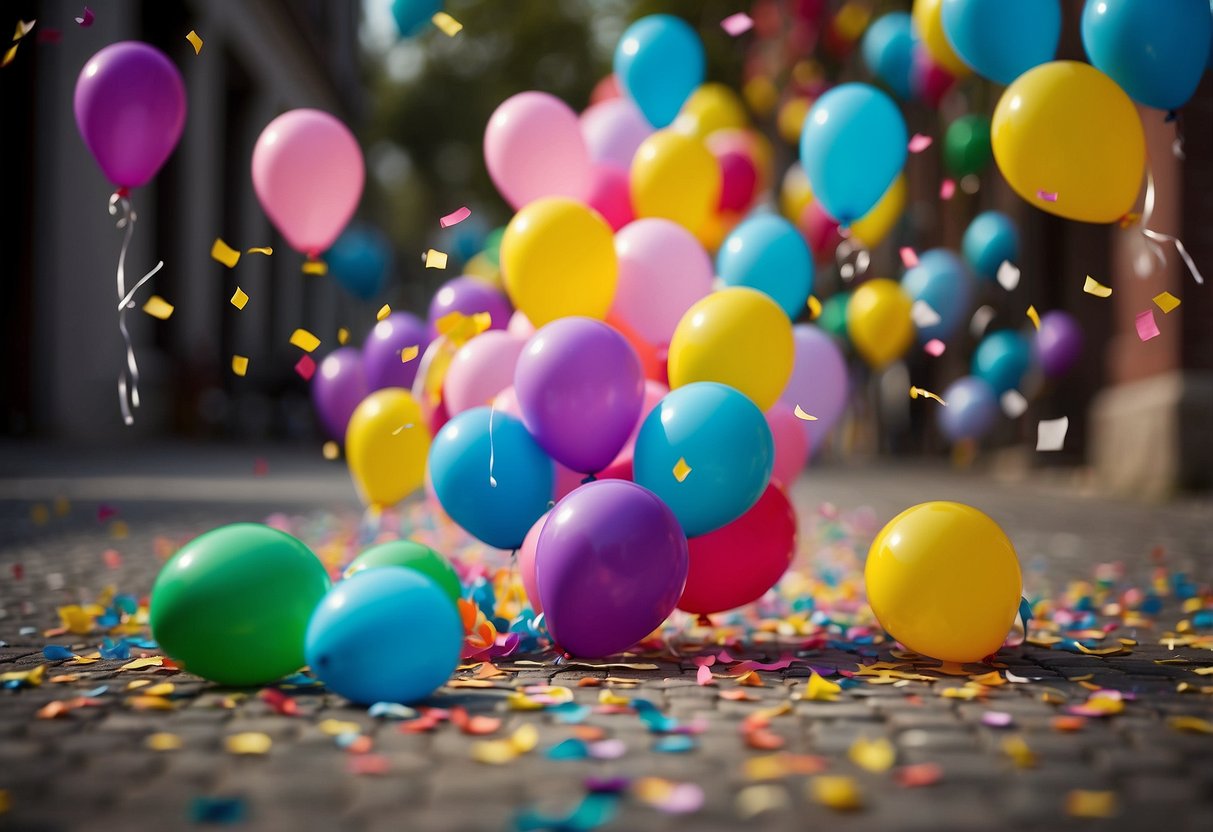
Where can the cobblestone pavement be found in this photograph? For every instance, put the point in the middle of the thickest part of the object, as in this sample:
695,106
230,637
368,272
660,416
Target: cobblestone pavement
762,756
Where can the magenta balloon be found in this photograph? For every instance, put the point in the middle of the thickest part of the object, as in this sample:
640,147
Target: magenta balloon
1058,343
481,369
533,148
928,80
610,565
791,444
338,387
610,195
381,351
663,270
739,179
130,109
580,387
820,231
469,296
613,129
819,382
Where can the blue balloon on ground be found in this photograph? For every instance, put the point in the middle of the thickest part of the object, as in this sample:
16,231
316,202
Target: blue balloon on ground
725,441
1155,51
412,15
1002,40
360,261
384,635
767,253
990,240
463,456
971,412
658,63
941,281
1001,359
852,147
888,51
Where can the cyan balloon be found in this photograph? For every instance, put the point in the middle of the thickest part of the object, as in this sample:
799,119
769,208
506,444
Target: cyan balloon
1001,359
767,253
888,51
659,62
412,15
990,240
360,261
1002,40
941,281
971,412
852,148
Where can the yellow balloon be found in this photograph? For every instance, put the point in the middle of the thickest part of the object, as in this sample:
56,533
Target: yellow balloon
1070,141
739,337
943,579
673,176
879,323
796,193
710,108
874,226
386,444
790,121
558,259
929,26
482,268
712,233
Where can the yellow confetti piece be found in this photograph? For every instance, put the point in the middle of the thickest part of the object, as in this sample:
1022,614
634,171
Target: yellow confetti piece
526,737
873,755
435,259
266,250
409,353
966,693
62,506
304,340
158,307
839,793
609,697
1166,302
1034,316
24,27
195,41
138,683
162,741
807,417
1191,724
33,678
239,299
119,530
991,680
224,253
343,336
75,619
337,727
9,55
820,689
915,392
449,25
681,470
40,514
494,752
383,312
1017,749
249,742
239,364
162,689
1094,287
150,703
460,328
146,661
330,450
814,308
519,701
319,268
1081,803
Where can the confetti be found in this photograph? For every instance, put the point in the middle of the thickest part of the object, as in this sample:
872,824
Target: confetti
918,775
24,27
875,756
312,266
996,719
806,417
919,143
1008,275
1051,434
1047,196
9,55
915,392
224,253
343,336
1166,302
1081,803
909,258
1094,287
934,347
703,676
755,800
409,353
330,450
239,298
947,189
980,320
86,19
195,41
435,259
1147,327
737,24
162,741
218,810
145,662
383,312
305,367
820,689
835,792
449,25
304,340
1034,317
266,250
924,315
1017,749
1013,404
455,217
158,307
681,470
337,727
668,796
239,364
1191,724
814,307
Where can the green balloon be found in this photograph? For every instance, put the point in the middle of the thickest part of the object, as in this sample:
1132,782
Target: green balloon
233,604
966,145
492,245
833,317
413,555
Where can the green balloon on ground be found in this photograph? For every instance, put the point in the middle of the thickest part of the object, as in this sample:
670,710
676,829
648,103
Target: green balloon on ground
966,145
233,605
833,317
413,555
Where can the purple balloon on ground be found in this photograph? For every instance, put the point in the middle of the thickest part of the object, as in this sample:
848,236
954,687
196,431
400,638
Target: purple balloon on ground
381,351
819,382
469,296
338,387
972,409
1058,343
610,564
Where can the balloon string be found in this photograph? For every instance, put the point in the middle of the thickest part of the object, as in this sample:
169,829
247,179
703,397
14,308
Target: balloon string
852,258
492,454
1156,238
128,392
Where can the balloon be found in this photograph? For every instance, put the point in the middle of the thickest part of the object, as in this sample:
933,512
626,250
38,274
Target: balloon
533,148
565,479
468,296
990,240
412,15
676,177
767,253
526,563
871,229
738,563
723,439
852,148
888,49
362,641
710,108
928,80
944,580
338,386
607,89
1001,359
652,358
385,446
971,412
654,392
496,502
308,174
1058,343
795,195
1002,41
232,605
791,443
821,232
942,282
481,369
580,387
966,145
381,352
613,130
738,181
360,261
662,271
558,258
879,322
929,25
819,383
610,196
1156,56
481,268
610,564
659,62
833,319
1069,141
415,556
739,337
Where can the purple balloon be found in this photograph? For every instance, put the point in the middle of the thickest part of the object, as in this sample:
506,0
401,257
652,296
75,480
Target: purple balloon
580,388
130,108
338,387
1058,343
381,351
972,409
819,382
469,296
610,564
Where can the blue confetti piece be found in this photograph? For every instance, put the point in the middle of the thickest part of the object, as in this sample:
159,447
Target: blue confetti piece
128,604
347,739
674,744
1203,619
95,692
569,713
224,810
120,649
570,749
392,710
143,643
55,653
300,680
593,811
1152,605
108,620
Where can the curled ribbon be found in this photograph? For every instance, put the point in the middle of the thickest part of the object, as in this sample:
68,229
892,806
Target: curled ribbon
853,259
128,393
1156,238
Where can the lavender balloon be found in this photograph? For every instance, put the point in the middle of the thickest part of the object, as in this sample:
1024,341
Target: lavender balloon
469,296
610,565
972,409
337,389
1058,343
381,351
819,381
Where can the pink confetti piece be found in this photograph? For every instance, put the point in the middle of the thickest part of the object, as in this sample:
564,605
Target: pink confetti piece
611,749
947,189
455,217
919,143
1047,196
704,675
996,719
305,367
934,347
737,24
683,799
909,257
705,661
86,19
1147,327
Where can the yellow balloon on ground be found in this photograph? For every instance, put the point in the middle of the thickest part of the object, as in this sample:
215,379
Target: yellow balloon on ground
386,444
874,226
673,176
710,108
558,259
943,579
1070,141
739,337
795,194
929,26
879,323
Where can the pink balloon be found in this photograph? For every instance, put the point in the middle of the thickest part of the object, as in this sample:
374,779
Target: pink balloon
308,174
611,196
613,129
819,382
820,231
739,180
526,562
520,325
654,392
663,270
482,368
928,80
791,444
566,478
533,148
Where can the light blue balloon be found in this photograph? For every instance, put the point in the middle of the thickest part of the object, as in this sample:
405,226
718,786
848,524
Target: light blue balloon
941,281
1155,51
1209,64
659,62
971,412
888,51
384,635
1001,359
1002,40
360,261
725,440
990,240
767,253
499,514
412,15
852,148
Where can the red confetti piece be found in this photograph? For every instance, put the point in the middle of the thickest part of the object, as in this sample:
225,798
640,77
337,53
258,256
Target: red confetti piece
373,764
455,217
947,189
279,701
1147,327
260,467
18,571
909,257
305,367
111,558
1047,196
764,740
105,512
737,24
474,725
920,774
919,143
86,19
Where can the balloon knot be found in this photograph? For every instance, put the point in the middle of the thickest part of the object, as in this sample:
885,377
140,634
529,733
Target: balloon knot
589,478
1172,115
704,621
122,193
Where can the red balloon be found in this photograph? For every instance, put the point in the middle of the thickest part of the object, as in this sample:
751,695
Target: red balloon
738,563
739,180
820,231
610,196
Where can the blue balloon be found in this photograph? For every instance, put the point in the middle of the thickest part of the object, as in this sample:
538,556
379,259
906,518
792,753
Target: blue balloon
767,253
1001,359
659,62
852,148
360,261
941,281
497,502
1002,40
411,15
971,412
990,240
724,439
1155,51
384,635
888,51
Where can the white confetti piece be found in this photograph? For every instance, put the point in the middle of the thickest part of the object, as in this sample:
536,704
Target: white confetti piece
1008,275
923,315
1013,404
1051,434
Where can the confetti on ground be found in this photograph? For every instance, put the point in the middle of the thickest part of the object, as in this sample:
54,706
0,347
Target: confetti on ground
919,143
909,258
1017,749
239,364
1147,327
1034,317
266,250
239,298
305,367
814,308
755,800
383,312
1047,196
163,741
218,810
924,315
835,792
1166,302
947,189
455,217
195,41
875,756
224,253
449,25
330,450
1013,404
1191,724
304,340
1051,434
1008,275
315,267
934,347
918,775
158,307
737,24
806,417
86,18
1081,803
435,259
668,796
820,689
1094,287
681,470
916,392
